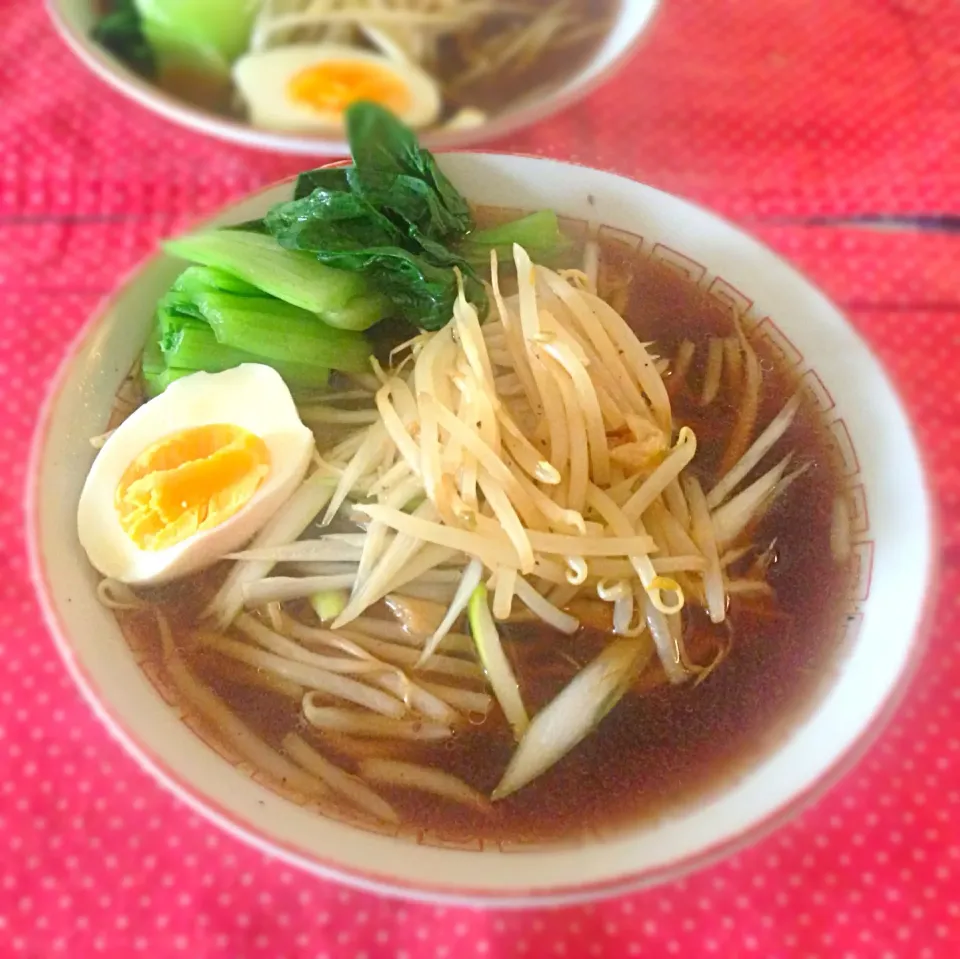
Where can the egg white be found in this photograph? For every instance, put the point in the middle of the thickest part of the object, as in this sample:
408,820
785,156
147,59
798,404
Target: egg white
252,397
262,80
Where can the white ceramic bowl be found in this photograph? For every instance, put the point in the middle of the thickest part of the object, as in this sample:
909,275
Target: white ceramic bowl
891,518
74,19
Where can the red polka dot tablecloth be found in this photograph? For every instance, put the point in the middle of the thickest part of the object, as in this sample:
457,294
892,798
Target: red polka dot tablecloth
795,118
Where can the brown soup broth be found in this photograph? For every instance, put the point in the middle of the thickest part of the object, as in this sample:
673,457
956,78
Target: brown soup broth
662,746
556,64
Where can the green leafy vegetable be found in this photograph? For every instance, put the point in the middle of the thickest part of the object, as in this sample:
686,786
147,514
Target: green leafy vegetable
216,28
343,231
329,604
247,300
389,217
152,361
381,240
193,346
340,298
158,37
157,381
381,145
184,341
202,279
277,331
121,32
324,178
539,234
333,221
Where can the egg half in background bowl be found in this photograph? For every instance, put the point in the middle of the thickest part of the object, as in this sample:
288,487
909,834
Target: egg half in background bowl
305,87
277,74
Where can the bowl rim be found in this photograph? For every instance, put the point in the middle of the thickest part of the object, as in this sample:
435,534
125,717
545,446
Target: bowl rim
145,94
463,895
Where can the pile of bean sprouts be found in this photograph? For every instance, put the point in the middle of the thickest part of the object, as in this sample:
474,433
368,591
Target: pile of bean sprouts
494,471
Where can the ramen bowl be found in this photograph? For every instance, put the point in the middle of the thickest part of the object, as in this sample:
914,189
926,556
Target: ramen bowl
891,540
74,20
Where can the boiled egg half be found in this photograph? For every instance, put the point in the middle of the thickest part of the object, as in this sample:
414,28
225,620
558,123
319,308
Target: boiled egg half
309,87
192,475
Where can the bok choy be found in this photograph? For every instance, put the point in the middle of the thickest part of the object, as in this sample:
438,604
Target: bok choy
121,32
340,299
243,302
396,219
384,238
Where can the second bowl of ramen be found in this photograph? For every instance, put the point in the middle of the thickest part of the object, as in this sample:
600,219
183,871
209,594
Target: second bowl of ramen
278,75
531,609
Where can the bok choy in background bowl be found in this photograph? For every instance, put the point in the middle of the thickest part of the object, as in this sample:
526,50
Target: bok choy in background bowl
444,510
277,74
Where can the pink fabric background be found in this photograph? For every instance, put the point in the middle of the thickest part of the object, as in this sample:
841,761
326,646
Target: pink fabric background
770,112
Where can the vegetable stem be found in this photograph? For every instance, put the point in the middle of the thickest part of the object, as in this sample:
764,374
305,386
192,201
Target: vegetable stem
342,299
538,233
278,331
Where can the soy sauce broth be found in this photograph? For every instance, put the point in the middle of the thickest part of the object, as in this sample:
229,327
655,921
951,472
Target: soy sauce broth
556,64
662,746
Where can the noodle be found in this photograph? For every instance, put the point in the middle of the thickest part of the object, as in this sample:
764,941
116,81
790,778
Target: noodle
307,675
286,525
370,724
410,776
236,733
338,780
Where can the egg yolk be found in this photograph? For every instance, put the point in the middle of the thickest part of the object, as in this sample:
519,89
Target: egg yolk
332,86
188,482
